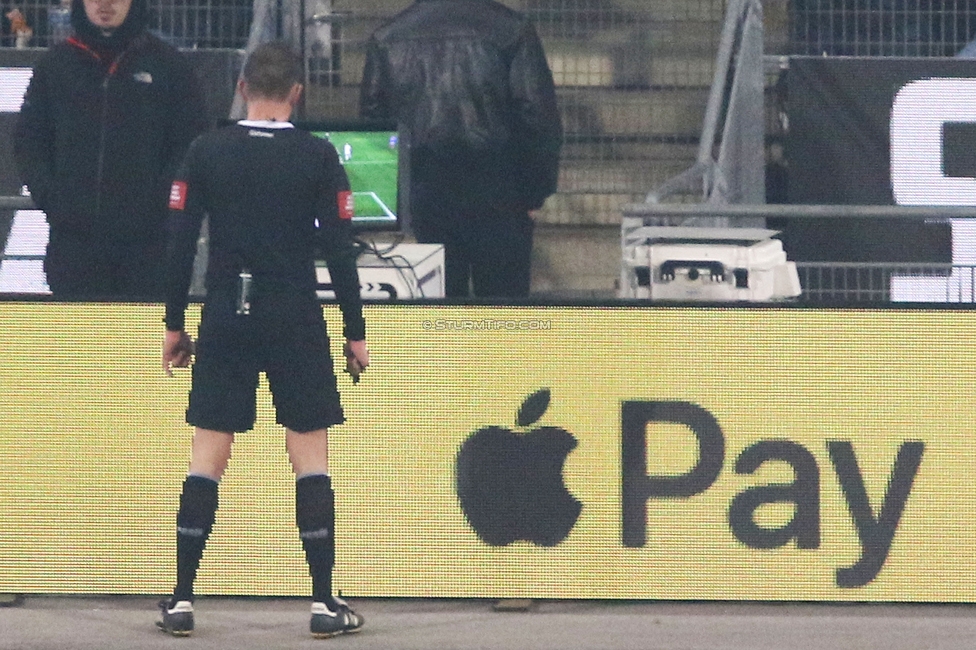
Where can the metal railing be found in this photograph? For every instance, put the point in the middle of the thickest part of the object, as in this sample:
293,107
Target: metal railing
881,27
187,24
731,157
827,281
859,282
632,77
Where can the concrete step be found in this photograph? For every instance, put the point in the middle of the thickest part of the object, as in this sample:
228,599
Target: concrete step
587,209
651,54
582,148
574,67
618,176
674,9
657,111
576,261
665,113
633,79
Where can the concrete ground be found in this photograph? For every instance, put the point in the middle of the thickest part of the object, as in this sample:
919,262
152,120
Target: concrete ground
127,623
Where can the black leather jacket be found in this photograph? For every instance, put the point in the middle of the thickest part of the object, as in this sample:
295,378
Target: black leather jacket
469,85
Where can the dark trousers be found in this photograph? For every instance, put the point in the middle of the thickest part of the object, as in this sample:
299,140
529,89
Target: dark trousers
487,256
80,266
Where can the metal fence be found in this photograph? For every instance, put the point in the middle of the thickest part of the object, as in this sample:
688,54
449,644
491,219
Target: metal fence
632,75
837,282
190,24
882,27
632,78
633,84
820,282
925,28
202,24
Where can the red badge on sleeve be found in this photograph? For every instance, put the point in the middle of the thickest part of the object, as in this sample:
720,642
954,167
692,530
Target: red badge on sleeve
345,204
177,195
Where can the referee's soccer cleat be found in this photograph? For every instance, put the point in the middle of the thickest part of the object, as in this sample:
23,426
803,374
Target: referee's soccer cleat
328,623
176,620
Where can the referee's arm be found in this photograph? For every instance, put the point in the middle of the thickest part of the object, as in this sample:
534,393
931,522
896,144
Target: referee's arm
341,253
183,226
335,241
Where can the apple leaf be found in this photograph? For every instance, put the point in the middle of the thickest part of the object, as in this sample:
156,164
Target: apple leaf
533,407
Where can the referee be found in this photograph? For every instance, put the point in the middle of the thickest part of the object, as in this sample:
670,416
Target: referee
275,196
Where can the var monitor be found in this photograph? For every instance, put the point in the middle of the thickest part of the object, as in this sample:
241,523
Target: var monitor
371,155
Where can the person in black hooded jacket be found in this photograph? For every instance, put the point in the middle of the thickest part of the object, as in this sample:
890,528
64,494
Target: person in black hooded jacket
105,122
470,87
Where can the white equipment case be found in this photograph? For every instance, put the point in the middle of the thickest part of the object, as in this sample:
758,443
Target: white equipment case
706,264
402,272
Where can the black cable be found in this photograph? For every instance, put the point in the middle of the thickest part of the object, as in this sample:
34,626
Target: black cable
384,255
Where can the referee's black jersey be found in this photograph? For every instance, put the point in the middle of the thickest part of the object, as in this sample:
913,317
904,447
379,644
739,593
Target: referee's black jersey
275,197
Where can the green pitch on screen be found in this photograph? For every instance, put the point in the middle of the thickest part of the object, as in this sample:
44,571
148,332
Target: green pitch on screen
370,160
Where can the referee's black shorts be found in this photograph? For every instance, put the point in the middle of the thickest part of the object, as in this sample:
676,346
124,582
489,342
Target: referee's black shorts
289,344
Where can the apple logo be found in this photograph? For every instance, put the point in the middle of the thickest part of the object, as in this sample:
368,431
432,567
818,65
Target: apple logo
510,484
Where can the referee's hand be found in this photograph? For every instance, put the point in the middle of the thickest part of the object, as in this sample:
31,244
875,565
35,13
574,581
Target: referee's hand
177,351
357,358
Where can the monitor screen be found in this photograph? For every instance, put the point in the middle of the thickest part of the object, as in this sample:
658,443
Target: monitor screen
370,154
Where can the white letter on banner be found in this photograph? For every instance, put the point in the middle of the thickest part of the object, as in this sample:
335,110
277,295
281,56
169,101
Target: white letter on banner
917,115
13,84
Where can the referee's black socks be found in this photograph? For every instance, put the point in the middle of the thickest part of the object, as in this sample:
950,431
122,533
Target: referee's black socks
198,508
315,516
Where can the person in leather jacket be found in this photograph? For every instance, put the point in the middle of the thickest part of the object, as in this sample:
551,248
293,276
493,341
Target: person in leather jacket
105,122
468,83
